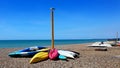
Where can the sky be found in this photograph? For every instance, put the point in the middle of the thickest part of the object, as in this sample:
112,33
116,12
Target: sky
74,19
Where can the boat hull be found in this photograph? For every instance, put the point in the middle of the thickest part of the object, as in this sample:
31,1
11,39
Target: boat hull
39,57
27,54
67,53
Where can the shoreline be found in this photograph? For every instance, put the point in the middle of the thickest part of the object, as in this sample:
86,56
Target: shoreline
88,58
55,45
29,43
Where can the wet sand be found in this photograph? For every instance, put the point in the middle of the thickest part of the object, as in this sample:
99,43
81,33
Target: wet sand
88,58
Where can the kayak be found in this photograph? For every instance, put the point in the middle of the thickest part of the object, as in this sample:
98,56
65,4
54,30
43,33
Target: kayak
69,54
39,57
62,57
32,49
22,54
45,49
27,54
53,54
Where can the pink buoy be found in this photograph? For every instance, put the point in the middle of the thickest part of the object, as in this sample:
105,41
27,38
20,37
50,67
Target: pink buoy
53,54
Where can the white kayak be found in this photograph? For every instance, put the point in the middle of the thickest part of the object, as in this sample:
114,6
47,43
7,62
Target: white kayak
69,54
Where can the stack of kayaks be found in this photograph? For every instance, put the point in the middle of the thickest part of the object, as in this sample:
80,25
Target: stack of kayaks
43,53
53,54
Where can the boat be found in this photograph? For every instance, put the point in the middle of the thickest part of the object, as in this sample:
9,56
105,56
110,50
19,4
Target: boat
53,54
113,43
118,43
106,45
22,54
61,57
32,49
39,57
99,44
43,50
69,54
26,54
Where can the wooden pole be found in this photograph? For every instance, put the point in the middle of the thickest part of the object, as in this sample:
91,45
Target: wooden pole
52,21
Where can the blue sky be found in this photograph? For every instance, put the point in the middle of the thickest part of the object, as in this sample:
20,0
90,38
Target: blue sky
74,19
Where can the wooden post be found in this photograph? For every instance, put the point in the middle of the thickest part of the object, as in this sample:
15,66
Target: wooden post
52,21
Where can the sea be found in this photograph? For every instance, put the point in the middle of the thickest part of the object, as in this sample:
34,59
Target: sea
29,43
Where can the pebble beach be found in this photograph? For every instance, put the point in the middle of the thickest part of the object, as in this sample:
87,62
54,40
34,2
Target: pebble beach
88,58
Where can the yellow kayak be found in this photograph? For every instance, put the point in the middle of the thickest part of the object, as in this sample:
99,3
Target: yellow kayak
39,57
44,50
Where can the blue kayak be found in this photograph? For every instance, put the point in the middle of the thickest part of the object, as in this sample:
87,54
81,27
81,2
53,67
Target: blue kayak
32,49
22,54
27,52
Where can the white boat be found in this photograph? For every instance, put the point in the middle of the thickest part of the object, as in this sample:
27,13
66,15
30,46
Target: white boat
110,42
99,44
118,41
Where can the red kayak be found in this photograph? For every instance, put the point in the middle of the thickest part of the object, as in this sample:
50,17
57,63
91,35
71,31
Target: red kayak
53,54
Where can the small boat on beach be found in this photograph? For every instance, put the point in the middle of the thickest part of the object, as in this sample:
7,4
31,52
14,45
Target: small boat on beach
99,44
39,57
118,43
26,54
22,54
34,48
66,53
112,43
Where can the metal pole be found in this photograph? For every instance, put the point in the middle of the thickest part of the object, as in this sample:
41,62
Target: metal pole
52,21
117,37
